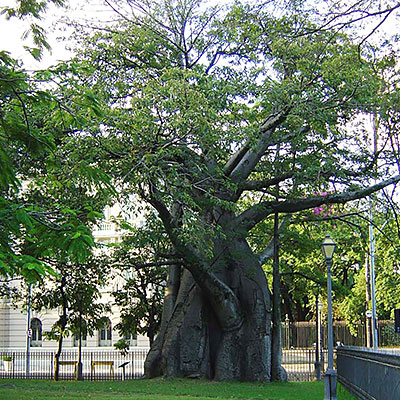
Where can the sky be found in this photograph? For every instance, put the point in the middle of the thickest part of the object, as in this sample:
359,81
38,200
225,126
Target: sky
11,31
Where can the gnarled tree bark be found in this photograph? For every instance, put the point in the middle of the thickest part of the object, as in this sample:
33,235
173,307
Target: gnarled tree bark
200,338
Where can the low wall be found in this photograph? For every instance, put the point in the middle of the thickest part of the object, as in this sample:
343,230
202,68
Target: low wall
369,374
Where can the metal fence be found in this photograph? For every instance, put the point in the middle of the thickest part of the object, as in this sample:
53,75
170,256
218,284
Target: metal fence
107,365
96,365
302,334
300,364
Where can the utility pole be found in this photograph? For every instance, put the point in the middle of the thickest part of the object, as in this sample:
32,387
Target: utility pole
372,278
372,249
368,300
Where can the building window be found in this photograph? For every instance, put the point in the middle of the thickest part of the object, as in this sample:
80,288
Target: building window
76,340
36,338
131,339
105,334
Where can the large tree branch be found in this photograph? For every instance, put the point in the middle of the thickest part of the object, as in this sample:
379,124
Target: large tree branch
257,185
236,158
246,162
224,302
241,157
252,216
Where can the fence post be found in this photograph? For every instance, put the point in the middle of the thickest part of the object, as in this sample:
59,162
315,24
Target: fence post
52,358
13,365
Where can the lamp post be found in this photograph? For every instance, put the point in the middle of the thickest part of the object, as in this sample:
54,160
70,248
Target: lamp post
328,248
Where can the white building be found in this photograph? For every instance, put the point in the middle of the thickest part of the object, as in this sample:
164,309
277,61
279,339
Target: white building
13,319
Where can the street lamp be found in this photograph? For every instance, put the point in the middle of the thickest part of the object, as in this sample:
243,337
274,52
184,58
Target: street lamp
328,248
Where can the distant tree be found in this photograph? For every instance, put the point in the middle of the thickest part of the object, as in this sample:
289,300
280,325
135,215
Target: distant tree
387,274
74,292
46,212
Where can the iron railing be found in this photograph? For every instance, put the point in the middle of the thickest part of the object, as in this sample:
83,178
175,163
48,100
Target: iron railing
112,365
300,364
96,365
302,334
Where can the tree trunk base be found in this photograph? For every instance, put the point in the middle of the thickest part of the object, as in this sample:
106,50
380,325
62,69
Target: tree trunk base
193,343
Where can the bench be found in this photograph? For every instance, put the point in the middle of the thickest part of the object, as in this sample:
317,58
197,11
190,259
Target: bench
74,363
107,363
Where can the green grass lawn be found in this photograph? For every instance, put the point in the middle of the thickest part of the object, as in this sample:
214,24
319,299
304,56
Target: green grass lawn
162,389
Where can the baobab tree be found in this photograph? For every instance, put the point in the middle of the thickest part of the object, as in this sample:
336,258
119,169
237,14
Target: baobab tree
219,118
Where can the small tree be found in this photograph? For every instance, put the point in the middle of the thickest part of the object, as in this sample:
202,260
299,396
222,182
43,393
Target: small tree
141,261
74,292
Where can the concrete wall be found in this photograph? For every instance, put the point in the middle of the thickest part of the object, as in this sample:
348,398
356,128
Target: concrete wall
369,374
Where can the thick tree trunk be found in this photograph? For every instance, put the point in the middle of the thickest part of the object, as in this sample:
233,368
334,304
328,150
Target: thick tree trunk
171,293
196,341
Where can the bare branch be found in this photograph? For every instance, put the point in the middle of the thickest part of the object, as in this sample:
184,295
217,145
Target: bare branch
132,264
321,283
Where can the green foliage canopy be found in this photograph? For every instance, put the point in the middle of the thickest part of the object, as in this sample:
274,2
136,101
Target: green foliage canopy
212,107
